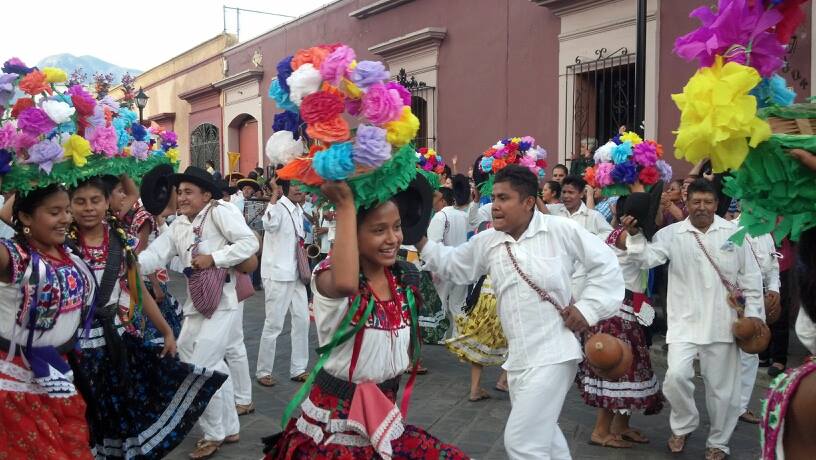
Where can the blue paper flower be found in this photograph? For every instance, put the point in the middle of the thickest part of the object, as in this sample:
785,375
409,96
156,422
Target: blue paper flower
281,97
5,161
487,164
625,173
129,116
334,163
288,121
622,153
284,70
138,131
773,91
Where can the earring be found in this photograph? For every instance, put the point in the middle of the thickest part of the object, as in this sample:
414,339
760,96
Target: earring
26,230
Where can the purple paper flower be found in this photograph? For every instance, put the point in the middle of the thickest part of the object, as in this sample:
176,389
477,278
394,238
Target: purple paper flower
288,121
35,121
7,132
104,140
22,141
139,150
645,154
45,154
730,31
354,106
7,87
404,93
6,158
98,120
625,173
169,140
336,64
665,170
370,147
111,103
15,65
284,70
369,72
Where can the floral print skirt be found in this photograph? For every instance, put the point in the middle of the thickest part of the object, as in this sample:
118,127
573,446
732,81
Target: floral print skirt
433,323
139,404
639,388
481,340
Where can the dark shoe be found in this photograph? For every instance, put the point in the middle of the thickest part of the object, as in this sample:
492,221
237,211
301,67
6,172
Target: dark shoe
774,370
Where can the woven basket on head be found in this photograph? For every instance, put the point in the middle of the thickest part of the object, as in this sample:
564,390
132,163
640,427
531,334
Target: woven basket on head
794,119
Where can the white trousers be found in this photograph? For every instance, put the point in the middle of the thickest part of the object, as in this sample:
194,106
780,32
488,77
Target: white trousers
720,366
453,298
537,395
281,296
203,342
237,360
749,365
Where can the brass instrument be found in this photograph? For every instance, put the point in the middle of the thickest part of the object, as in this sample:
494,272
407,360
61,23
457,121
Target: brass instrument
312,251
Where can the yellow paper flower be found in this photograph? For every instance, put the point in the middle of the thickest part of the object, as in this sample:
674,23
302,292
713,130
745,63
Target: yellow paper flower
402,131
632,137
718,117
173,154
54,75
77,149
352,91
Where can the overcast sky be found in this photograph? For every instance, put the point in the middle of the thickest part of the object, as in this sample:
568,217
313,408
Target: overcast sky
134,34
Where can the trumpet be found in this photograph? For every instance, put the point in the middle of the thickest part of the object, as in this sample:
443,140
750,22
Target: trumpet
312,251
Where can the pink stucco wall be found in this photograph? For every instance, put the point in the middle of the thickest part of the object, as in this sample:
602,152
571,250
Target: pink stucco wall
498,69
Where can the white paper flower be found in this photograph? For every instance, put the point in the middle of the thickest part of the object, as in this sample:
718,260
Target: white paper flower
281,148
303,82
604,152
59,112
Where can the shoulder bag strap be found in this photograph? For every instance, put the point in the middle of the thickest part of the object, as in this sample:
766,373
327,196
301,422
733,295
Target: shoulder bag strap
112,266
542,293
728,284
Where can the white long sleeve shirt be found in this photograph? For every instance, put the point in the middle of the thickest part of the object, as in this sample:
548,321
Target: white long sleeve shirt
548,252
696,303
224,235
283,225
763,249
449,226
593,221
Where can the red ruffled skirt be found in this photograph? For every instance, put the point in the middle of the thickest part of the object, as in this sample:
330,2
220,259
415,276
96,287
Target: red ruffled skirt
36,425
307,437
638,389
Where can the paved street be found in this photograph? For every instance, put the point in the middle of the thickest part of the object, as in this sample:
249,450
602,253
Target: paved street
440,405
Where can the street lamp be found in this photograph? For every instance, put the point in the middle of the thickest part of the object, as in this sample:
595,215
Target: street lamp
141,103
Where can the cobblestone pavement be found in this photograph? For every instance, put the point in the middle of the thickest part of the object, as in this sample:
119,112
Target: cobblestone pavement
440,405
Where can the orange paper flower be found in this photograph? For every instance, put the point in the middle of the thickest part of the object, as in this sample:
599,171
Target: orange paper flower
314,55
300,170
35,83
334,130
498,164
21,104
589,177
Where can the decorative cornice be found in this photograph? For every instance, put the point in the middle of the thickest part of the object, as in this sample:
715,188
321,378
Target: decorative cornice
159,117
240,77
376,8
198,93
605,27
564,7
420,40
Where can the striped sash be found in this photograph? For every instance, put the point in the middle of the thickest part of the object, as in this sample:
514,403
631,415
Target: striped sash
205,284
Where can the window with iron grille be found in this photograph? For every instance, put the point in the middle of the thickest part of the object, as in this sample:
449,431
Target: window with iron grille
423,106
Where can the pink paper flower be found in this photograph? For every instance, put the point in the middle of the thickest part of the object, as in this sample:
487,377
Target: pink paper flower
381,105
7,132
603,174
335,66
35,121
103,140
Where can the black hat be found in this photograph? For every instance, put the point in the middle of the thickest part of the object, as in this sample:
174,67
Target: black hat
643,206
226,188
415,204
248,182
233,176
156,188
199,177
723,201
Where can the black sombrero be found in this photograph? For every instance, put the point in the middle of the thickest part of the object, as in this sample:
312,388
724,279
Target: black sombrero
415,205
199,177
643,206
248,182
234,176
156,188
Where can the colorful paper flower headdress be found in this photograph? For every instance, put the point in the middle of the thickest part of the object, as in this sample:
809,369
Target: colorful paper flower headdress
430,164
53,134
740,46
513,150
320,89
625,160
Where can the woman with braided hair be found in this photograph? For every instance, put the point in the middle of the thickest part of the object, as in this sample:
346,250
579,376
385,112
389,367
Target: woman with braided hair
142,400
45,293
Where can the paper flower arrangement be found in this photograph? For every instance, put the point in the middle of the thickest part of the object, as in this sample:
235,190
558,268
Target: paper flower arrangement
430,160
740,46
514,150
625,160
320,90
52,136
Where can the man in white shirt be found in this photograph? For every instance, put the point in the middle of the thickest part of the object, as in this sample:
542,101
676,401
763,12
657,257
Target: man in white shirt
764,252
449,226
283,290
326,227
572,206
543,349
224,241
698,313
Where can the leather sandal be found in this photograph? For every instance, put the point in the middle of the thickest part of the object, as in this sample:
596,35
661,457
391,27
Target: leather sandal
480,396
749,417
205,449
300,378
677,443
267,381
244,409
611,440
633,435
712,453
232,439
